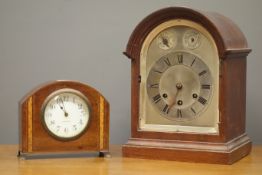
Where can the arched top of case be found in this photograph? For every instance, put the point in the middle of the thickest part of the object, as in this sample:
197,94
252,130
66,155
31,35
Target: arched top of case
228,37
51,86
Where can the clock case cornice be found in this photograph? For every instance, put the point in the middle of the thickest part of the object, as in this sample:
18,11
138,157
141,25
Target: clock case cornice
232,139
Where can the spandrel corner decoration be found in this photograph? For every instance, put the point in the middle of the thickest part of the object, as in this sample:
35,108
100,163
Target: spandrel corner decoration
186,65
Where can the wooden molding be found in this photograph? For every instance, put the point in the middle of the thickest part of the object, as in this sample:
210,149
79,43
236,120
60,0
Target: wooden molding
220,153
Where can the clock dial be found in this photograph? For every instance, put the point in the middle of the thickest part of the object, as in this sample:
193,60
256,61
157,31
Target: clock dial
166,40
179,86
66,114
191,39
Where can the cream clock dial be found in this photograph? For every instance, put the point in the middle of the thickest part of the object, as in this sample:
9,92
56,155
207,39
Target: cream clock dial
66,114
179,86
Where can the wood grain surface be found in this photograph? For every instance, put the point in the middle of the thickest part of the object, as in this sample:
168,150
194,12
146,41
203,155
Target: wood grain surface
117,165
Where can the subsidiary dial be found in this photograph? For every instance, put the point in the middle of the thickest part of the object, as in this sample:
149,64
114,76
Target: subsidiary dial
166,40
179,85
191,39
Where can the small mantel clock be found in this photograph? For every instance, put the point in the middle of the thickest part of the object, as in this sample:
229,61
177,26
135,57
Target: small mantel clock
64,117
188,88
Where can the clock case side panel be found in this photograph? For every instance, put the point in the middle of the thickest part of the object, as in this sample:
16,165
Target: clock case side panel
233,50
42,142
233,95
24,130
104,126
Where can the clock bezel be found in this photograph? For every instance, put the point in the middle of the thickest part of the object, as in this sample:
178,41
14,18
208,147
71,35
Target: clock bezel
60,91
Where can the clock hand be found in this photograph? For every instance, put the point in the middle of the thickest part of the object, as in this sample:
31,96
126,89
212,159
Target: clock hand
63,107
165,42
179,86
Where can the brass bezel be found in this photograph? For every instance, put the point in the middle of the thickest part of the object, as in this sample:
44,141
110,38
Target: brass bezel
60,91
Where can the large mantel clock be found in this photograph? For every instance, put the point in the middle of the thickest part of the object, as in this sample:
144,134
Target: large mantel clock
188,88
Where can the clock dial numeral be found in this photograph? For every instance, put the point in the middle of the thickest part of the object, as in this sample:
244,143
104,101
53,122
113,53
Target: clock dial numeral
179,113
52,106
156,85
52,122
49,115
157,98
193,110
83,112
81,122
180,58
205,86
74,127
193,62
80,106
58,128
157,71
202,73
59,100
166,60
65,98
202,100
166,109
65,130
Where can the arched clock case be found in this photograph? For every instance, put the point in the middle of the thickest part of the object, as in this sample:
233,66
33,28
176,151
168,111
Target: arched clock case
188,88
62,117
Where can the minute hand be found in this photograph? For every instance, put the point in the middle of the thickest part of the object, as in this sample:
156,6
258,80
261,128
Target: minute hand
63,107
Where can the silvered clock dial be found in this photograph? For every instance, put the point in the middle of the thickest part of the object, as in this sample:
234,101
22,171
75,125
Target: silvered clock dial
179,86
179,79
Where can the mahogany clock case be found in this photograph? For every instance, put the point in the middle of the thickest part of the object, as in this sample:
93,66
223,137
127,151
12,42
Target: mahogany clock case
232,142
34,138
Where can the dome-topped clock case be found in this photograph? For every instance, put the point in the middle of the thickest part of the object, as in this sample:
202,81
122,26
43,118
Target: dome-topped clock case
188,88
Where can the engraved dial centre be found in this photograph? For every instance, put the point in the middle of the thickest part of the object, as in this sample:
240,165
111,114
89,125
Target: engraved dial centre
179,82
179,86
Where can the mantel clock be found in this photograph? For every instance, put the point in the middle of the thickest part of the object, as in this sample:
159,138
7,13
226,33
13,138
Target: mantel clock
64,117
188,88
